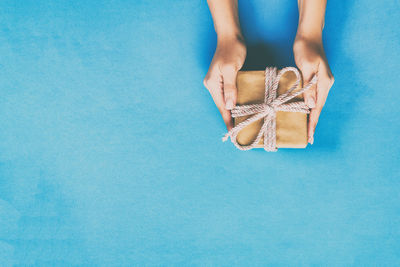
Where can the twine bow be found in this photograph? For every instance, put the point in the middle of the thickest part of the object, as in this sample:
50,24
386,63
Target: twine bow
268,109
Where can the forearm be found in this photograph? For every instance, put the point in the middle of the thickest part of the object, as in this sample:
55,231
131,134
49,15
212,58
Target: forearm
311,19
226,18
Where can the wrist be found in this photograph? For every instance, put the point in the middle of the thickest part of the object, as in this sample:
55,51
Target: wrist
309,35
226,19
229,34
311,19
230,37
310,28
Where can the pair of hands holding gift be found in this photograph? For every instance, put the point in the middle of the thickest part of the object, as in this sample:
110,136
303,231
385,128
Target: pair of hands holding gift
230,55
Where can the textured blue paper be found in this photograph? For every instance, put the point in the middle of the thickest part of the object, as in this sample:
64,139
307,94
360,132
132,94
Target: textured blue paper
111,152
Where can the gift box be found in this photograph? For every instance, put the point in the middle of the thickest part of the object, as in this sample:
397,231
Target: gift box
274,101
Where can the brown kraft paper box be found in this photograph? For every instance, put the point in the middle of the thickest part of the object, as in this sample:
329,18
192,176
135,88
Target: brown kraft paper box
291,127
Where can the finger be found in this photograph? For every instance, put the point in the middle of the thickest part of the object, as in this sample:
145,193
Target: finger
215,88
217,96
227,117
212,79
325,82
310,96
312,124
229,75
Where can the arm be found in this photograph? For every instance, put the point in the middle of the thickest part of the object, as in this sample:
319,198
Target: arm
228,58
311,59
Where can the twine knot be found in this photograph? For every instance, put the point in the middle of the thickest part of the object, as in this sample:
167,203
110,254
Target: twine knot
268,109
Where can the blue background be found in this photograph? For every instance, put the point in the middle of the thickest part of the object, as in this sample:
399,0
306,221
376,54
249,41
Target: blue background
111,152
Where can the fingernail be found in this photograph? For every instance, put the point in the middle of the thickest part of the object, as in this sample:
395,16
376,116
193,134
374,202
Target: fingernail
311,102
229,104
311,140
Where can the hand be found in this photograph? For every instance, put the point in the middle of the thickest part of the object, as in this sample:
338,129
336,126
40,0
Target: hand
221,77
310,59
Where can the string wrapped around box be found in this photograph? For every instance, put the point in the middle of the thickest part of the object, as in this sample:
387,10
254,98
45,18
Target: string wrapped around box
269,108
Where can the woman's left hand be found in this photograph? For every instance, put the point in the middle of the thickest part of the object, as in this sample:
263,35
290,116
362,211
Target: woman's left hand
310,58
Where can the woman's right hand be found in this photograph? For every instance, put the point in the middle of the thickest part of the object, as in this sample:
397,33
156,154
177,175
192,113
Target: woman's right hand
220,80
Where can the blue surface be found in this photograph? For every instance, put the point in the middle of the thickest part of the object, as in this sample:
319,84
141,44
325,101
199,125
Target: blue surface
111,152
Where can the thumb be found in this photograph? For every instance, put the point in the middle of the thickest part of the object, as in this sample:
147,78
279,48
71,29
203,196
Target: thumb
229,75
310,96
